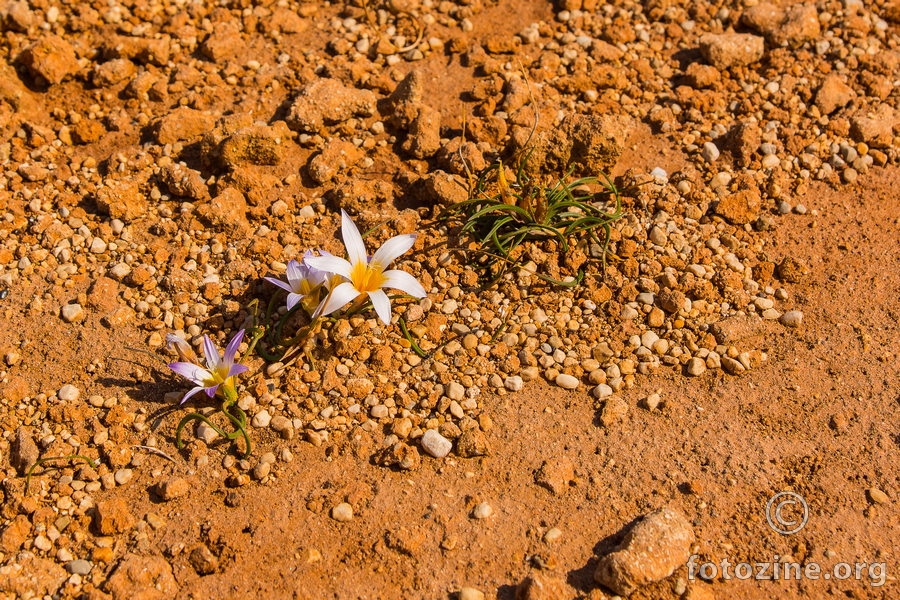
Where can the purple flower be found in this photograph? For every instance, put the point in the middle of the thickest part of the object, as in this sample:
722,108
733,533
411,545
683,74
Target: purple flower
303,284
218,372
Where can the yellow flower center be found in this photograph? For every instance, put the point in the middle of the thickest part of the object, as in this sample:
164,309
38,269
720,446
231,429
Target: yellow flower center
367,277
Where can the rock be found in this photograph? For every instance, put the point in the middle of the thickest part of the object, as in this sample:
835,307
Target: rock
424,138
224,42
537,586
737,328
68,393
468,593
710,152
792,270
833,94
875,129
145,577
112,516
15,389
72,313
15,534
328,101
227,211
342,513
482,510
727,50
112,72
50,60
359,387
29,576
172,488
791,318
740,207
79,567
121,200
784,26
443,188
651,550
203,560
614,410
472,443
405,102
181,125
436,445
732,366
24,452
556,475
337,156
513,383
17,16
399,455
183,182
877,496
256,145
671,300
695,367
566,381
702,76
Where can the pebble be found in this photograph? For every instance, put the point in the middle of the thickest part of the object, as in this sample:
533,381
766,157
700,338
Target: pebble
342,513
650,551
553,534
695,367
261,419
791,318
72,313
513,383
172,488
877,496
79,567
566,381
710,152
469,593
613,411
436,445
68,393
482,510
651,402
123,476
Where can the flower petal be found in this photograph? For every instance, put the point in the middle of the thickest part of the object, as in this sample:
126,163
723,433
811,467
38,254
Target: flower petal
393,248
211,390
353,242
191,393
295,273
339,297
195,373
331,264
382,305
403,281
237,370
232,347
212,353
293,299
283,285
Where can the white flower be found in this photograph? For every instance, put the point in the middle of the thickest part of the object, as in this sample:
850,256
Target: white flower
367,276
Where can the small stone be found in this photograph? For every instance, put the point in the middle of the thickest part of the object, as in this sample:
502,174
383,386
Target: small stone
540,586
436,445
792,270
614,410
602,391
68,393
123,476
172,488
791,318
24,451
203,560
206,433
468,593
710,152
283,425
566,381
695,367
261,419
552,535
513,383
140,576
877,496
50,59
472,443
556,475
342,513
651,402
72,313
651,550
728,50
833,94
79,567
740,207
112,516
482,510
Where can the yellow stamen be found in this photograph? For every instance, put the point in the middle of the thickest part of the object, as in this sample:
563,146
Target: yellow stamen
367,277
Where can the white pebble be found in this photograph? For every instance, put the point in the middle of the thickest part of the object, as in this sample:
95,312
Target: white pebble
482,511
342,513
72,313
262,419
566,381
513,383
436,445
68,393
792,318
